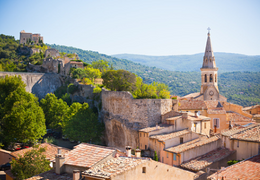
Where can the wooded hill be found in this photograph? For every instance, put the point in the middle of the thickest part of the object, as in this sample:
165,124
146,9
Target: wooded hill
226,62
239,87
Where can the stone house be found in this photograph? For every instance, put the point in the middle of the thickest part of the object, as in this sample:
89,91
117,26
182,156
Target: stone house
252,109
189,150
244,139
26,37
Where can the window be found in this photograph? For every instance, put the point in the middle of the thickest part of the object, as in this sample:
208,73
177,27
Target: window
162,160
216,122
205,125
181,140
174,157
141,144
145,146
167,155
238,144
215,78
210,78
205,77
144,169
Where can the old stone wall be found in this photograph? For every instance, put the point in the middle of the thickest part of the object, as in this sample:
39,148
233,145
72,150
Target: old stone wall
124,116
39,84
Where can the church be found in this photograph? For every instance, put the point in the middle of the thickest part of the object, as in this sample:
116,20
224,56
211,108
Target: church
209,78
209,102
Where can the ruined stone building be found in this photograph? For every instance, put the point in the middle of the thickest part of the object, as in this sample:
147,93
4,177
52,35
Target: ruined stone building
29,37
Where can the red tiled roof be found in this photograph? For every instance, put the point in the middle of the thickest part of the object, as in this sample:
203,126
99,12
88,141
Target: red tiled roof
207,159
51,175
216,111
192,104
114,166
86,155
197,118
238,129
192,95
252,134
250,107
51,151
247,169
150,129
236,117
75,62
211,104
165,137
192,144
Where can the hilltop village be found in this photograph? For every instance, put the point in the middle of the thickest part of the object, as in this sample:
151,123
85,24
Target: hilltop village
190,137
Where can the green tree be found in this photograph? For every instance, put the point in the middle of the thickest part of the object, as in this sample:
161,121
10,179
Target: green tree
92,73
54,110
23,119
32,163
119,80
83,124
155,157
100,64
78,73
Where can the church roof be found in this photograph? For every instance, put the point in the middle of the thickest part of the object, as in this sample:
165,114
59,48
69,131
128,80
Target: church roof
209,59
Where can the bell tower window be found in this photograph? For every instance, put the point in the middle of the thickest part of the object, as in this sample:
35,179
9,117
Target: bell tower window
215,78
205,77
211,78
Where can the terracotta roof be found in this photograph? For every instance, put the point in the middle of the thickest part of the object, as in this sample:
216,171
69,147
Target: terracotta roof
197,118
114,166
50,175
237,130
173,118
252,134
192,104
75,62
250,107
211,104
165,137
150,129
192,144
205,160
51,151
86,155
216,111
247,169
236,117
192,95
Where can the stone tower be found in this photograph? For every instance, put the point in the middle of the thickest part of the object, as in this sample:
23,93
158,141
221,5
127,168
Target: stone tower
209,74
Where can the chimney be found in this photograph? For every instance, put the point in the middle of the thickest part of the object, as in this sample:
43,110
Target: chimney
138,153
128,151
76,174
59,161
184,116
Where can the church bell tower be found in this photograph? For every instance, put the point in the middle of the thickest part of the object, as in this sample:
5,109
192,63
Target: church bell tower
209,74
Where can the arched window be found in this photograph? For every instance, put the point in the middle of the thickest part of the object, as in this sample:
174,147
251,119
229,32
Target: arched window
205,77
215,77
210,78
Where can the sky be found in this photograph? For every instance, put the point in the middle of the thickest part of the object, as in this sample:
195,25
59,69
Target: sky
148,27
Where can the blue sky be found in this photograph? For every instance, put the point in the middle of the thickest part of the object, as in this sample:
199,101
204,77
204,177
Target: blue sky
138,26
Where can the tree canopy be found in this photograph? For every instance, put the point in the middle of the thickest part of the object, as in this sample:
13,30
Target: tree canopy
54,110
22,119
81,123
32,163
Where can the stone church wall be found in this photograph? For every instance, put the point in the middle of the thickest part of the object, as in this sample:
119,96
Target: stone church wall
124,116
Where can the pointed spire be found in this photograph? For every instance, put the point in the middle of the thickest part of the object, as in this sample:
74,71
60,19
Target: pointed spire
209,59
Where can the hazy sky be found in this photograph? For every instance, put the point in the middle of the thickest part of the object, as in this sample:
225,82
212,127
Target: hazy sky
138,26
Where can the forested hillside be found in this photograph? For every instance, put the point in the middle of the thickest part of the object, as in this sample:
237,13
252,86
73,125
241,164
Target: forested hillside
239,87
226,62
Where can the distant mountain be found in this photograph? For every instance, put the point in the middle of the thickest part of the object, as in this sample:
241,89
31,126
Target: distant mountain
239,87
226,62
